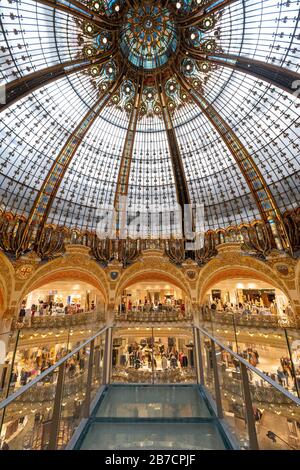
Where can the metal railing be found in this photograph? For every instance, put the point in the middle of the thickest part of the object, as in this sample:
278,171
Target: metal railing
59,321
259,412
256,237
164,315
58,404
250,319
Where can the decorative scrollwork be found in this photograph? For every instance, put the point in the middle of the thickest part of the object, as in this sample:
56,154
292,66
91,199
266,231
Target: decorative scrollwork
208,250
175,251
128,251
257,240
101,249
292,224
51,242
14,238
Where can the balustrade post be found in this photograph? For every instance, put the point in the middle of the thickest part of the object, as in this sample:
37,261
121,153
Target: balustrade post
87,401
199,360
107,360
216,381
253,443
55,422
292,362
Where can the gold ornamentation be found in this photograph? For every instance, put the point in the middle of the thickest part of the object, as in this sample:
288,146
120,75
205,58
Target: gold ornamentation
24,271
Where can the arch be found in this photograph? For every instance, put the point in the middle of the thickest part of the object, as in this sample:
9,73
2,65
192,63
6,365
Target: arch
237,271
153,269
68,275
7,282
77,269
150,276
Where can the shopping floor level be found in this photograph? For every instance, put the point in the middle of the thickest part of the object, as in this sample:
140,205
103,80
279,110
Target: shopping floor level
158,417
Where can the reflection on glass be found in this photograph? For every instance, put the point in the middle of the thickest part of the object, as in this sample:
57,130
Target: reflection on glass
153,355
277,417
27,420
8,343
133,436
98,358
206,351
232,396
73,395
153,402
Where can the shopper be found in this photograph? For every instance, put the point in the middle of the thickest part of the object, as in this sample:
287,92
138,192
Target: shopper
164,362
22,314
173,362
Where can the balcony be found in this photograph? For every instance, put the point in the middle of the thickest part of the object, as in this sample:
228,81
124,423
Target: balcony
166,315
262,320
46,322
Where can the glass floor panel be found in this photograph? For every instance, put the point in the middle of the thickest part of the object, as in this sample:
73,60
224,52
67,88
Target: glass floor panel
153,402
155,436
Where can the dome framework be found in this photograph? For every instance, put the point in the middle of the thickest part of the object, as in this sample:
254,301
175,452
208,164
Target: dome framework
174,80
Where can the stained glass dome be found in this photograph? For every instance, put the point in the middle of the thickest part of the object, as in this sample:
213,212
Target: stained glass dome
148,36
163,102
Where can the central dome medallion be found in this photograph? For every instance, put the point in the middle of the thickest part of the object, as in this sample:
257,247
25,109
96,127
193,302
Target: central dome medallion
148,36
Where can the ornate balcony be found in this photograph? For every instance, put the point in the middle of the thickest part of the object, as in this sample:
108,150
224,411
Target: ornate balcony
256,238
154,316
46,322
250,320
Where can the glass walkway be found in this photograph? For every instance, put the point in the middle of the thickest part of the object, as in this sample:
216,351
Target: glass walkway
160,417
226,403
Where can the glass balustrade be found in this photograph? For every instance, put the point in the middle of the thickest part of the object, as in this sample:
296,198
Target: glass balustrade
26,421
153,355
45,412
259,412
31,349
274,351
253,410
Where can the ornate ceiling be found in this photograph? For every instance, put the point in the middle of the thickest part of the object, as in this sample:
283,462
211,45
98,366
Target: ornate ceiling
164,102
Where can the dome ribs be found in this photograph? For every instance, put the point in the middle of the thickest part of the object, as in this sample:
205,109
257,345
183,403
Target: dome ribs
43,202
264,199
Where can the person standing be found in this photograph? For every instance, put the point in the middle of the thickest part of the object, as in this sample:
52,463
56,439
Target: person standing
22,314
164,362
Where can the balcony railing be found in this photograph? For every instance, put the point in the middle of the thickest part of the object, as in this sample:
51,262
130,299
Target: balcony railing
256,238
252,319
165,315
59,321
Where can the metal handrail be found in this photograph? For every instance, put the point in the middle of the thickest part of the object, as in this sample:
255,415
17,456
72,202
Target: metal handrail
251,367
53,321
252,320
159,316
13,396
